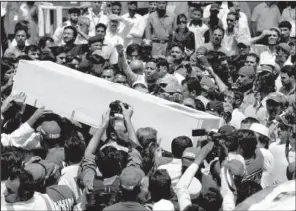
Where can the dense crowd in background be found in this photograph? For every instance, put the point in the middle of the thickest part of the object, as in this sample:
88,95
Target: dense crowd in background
213,58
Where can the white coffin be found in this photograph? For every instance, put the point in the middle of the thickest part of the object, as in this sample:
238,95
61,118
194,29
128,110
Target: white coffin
65,90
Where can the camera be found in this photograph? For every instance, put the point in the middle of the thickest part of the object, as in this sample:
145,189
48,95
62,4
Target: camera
115,107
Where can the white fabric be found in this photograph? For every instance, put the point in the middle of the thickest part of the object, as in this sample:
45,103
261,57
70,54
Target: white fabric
164,205
259,128
14,44
237,118
94,20
199,32
289,15
179,77
223,10
266,180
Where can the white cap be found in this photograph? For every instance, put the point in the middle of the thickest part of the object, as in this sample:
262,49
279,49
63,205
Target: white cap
164,205
259,128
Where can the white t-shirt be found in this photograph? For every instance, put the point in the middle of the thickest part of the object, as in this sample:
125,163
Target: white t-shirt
199,32
237,118
266,180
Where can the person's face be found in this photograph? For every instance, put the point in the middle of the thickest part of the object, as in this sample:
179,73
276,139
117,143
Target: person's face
132,6
196,15
96,5
152,6
177,53
251,61
182,23
20,37
231,21
150,71
273,109
293,49
95,46
214,13
68,35
285,32
121,79
34,55
116,9
100,32
162,71
243,80
114,25
281,56
108,75
121,131
243,50
161,5
236,6
84,27
273,37
48,45
285,79
11,193
229,97
8,75
97,69
74,17
134,56
282,132
217,37
61,58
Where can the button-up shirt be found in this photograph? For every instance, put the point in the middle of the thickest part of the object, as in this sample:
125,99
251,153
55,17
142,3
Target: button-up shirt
289,15
136,31
199,32
266,17
94,20
160,28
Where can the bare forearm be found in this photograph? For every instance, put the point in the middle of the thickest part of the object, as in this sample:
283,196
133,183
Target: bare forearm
221,85
254,28
131,132
132,77
95,141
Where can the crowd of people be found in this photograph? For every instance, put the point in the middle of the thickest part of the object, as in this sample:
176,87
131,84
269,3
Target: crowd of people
214,58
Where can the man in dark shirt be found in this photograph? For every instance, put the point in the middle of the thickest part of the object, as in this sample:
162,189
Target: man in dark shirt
69,37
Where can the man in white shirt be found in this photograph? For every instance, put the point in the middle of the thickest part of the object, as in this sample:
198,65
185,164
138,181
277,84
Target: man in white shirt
96,15
289,15
223,9
136,32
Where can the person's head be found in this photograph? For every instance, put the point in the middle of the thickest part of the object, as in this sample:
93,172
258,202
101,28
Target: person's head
191,88
74,14
211,199
246,77
252,60
108,74
217,36
151,70
113,25
264,83
160,185
133,52
285,27
110,156
247,143
247,189
116,7
33,52
196,14
146,135
177,52
235,7
117,130
247,122
288,75
84,23
45,43
95,43
243,48
101,30
74,150
282,53
199,105
276,103
163,67
232,19
131,180
150,151
214,10
179,145
19,186
26,24
132,5
21,35
274,37
201,51
96,5
161,6
181,21
194,207
238,99
189,102
61,56
69,34
120,78
9,161
152,6
137,66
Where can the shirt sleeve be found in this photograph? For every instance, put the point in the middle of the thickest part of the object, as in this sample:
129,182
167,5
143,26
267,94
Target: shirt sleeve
87,170
18,137
134,158
255,14
228,196
113,57
138,28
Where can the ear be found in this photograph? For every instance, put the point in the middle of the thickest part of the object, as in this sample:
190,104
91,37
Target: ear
193,92
113,135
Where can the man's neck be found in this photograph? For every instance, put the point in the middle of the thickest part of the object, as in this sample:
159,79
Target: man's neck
161,13
132,13
21,47
73,24
272,48
230,30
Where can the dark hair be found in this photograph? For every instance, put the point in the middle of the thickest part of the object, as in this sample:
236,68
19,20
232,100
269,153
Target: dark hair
143,139
238,95
263,140
178,45
149,157
181,16
247,189
111,161
8,162
31,48
116,3
290,70
211,200
219,28
43,40
21,28
160,185
199,105
197,8
133,47
26,190
234,14
248,142
163,63
101,25
194,207
179,145
110,128
75,33
74,149
152,60
193,84
255,56
249,120
231,141
285,24
265,82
